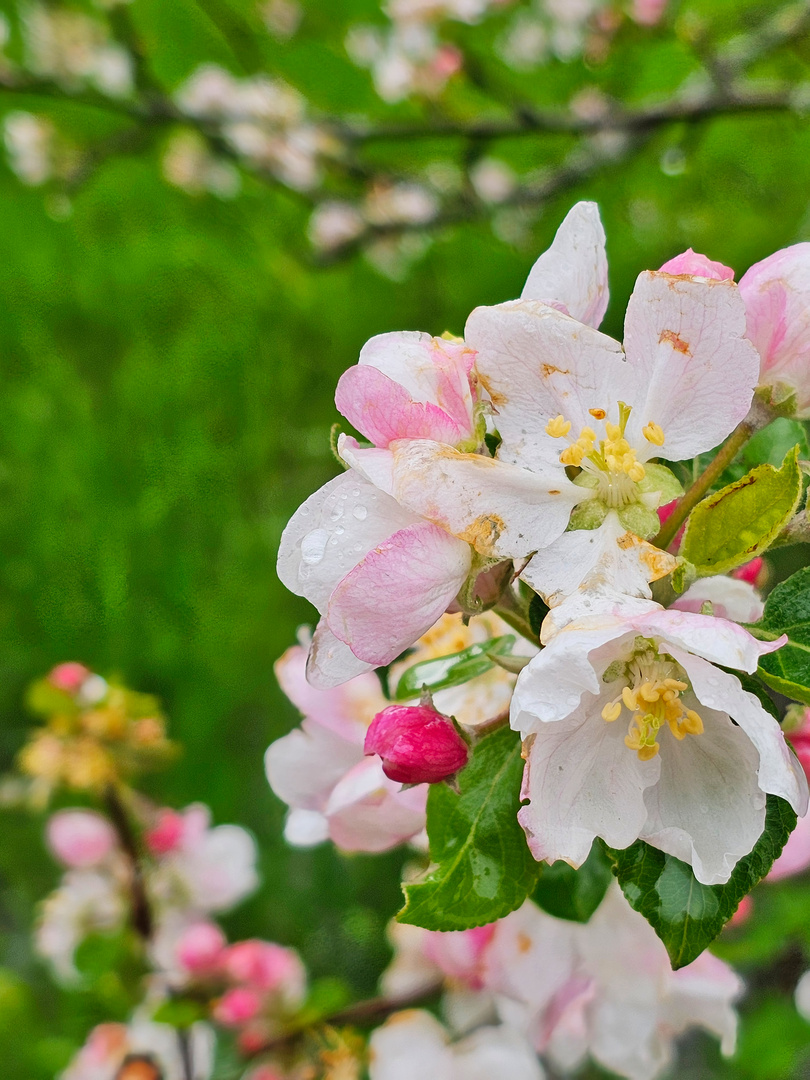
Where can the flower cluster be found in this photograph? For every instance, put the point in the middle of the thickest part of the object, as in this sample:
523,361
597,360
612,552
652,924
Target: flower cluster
95,733
536,441
532,984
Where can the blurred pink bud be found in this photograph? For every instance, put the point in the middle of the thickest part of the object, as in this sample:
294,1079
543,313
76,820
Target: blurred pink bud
417,744
743,913
199,948
696,265
80,838
648,13
237,1006
800,740
448,62
261,964
261,1072
68,677
167,834
665,512
750,572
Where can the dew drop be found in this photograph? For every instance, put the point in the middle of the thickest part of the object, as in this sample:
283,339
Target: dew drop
360,512
355,493
339,531
336,514
313,546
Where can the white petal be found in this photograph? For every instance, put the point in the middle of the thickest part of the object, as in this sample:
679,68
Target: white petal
501,509
606,560
346,710
552,685
303,766
531,956
717,640
583,782
701,995
369,812
410,1044
331,662
685,341
779,770
332,531
574,270
730,598
537,363
495,1052
707,808
305,828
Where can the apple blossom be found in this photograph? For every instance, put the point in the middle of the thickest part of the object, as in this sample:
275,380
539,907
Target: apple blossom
413,1043
795,856
680,775
80,838
87,901
319,769
200,948
268,968
730,598
416,744
108,1046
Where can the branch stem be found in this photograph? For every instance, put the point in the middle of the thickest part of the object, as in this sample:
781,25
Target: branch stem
140,910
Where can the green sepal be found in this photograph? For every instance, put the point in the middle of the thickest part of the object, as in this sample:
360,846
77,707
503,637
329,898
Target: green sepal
743,519
787,611
573,894
181,1013
661,479
588,515
639,519
481,865
452,670
686,915
683,576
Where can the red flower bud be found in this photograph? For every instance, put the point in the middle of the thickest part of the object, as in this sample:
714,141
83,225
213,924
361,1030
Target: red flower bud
417,744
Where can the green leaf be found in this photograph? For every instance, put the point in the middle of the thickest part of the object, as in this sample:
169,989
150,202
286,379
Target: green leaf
538,610
574,894
740,521
787,611
483,867
686,915
452,670
180,1012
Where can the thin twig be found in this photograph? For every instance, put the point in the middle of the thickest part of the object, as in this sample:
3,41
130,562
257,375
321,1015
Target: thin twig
141,912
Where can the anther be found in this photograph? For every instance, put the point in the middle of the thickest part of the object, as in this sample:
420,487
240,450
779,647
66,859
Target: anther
558,427
598,414
612,711
653,433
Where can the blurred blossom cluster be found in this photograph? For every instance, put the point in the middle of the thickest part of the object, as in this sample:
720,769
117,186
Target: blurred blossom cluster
95,733
76,49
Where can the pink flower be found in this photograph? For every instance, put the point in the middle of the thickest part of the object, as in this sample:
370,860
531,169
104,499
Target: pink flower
237,1006
200,948
80,838
750,572
648,13
417,744
696,265
68,677
265,966
776,292
167,834
800,741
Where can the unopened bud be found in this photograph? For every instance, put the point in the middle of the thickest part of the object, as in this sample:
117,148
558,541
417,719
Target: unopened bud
237,1006
200,947
80,838
68,677
417,744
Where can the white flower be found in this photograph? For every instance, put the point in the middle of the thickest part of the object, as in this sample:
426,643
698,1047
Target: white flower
607,694
86,902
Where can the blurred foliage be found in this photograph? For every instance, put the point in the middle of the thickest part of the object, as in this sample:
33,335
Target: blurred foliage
168,365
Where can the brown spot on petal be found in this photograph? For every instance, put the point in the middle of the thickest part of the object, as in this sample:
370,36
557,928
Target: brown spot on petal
523,942
554,492
549,369
677,343
526,746
483,533
496,396
659,563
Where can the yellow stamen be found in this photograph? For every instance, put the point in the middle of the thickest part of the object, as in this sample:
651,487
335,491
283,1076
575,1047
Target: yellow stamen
558,427
693,724
653,433
572,455
598,414
629,698
649,692
636,471
612,711
646,753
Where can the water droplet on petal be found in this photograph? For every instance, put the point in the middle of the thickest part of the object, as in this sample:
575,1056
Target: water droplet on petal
313,546
360,512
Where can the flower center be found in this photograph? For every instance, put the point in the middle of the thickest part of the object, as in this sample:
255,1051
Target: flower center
652,697
611,460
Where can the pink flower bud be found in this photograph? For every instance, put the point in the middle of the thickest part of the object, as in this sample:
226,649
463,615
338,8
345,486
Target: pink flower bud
68,677
261,964
696,265
648,13
80,838
237,1006
167,834
417,744
200,948
745,910
750,572
800,741
665,512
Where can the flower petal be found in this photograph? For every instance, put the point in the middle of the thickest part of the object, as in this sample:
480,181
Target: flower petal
410,1043
502,510
369,812
537,363
398,591
607,560
718,640
779,771
731,598
694,367
795,857
581,782
346,711
332,531
330,661
707,808
305,828
574,271
303,767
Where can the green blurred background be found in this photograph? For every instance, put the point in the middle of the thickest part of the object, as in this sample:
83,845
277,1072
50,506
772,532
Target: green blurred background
168,364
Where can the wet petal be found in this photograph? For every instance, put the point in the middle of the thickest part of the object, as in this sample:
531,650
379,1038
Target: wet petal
304,766
330,661
718,640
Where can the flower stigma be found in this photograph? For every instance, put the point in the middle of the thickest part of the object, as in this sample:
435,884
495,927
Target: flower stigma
651,695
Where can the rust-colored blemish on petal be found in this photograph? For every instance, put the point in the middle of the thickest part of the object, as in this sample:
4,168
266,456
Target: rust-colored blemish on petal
496,396
526,746
483,533
549,369
659,563
677,342
554,491
523,942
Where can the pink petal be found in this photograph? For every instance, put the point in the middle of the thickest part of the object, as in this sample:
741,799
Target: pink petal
345,710
331,662
695,265
795,857
398,591
369,812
